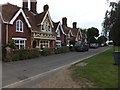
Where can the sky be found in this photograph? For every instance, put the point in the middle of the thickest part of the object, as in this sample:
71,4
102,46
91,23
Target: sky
87,13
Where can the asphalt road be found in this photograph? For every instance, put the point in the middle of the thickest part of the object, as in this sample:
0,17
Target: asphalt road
15,73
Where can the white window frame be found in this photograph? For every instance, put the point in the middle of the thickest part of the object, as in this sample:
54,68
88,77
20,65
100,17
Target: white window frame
58,43
19,26
19,44
58,33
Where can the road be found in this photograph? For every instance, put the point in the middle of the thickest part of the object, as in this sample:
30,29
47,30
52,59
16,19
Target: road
16,73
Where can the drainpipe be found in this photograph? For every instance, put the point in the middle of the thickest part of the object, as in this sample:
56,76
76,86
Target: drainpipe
7,33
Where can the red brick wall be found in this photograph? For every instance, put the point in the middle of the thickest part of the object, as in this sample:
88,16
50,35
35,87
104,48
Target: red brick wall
26,34
3,35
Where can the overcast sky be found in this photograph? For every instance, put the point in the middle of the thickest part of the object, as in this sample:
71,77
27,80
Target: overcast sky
87,13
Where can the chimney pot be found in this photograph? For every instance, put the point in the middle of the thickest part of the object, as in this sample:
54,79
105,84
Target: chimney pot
46,7
64,21
74,24
25,4
33,5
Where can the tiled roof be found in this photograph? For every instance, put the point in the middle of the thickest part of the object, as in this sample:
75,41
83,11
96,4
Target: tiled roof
66,29
55,25
8,11
74,31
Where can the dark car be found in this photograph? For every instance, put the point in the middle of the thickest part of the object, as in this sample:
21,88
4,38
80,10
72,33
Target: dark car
81,47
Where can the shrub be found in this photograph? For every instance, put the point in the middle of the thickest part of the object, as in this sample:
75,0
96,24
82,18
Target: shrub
22,55
47,51
61,50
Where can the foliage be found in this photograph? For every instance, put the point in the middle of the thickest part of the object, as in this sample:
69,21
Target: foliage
92,40
91,34
10,44
61,50
47,51
112,22
22,54
72,42
99,70
102,39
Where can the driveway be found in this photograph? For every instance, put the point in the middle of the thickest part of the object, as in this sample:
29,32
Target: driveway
20,70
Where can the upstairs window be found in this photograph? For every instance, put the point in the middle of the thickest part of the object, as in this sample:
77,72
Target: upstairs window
49,28
58,33
19,26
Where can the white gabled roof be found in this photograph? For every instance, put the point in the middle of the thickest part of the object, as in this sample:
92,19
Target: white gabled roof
24,16
47,13
59,25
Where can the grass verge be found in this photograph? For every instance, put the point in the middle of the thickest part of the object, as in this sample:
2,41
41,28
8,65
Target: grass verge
99,69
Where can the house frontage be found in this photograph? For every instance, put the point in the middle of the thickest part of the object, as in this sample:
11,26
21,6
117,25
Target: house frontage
72,33
27,28
60,34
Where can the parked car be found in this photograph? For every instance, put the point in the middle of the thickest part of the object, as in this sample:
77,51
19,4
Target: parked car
94,45
81,47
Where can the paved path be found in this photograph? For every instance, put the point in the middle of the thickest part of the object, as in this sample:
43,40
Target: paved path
21,70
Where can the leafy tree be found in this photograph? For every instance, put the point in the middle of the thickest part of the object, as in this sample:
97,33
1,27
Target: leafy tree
102,39
112,22
91,34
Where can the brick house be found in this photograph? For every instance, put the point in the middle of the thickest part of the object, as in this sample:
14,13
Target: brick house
72,34
27,28
60,34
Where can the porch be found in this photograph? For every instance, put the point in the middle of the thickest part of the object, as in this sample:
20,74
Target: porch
43,40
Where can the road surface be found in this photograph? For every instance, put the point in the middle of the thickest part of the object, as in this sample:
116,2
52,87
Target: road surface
19,72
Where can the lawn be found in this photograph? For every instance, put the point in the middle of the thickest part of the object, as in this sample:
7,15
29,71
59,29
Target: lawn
99,69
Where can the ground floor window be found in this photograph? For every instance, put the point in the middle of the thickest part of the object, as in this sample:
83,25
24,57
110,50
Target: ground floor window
44,44
58,43
19,43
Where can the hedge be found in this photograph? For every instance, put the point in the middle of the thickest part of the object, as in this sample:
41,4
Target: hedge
22,55
47,51
61,50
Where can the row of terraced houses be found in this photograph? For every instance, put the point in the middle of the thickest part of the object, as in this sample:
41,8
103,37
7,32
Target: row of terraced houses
30,29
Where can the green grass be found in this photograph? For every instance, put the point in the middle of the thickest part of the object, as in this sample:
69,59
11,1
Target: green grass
99,70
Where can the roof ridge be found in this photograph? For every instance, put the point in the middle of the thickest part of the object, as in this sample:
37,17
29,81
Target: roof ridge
10,4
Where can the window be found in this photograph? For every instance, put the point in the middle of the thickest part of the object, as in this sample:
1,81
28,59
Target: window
19,26
42,27
58,43
19,43
58,33
68,35
44,44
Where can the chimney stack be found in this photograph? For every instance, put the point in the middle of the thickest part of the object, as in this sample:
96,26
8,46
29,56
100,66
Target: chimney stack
74,24
33,6
25,4
64,21
45,8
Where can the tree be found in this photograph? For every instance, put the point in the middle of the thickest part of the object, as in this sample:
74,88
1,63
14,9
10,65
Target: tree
112,22
102,39
91,34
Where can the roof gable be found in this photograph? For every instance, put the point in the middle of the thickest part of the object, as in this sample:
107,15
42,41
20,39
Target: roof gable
47,14
8,11
70,32
60,26
24,16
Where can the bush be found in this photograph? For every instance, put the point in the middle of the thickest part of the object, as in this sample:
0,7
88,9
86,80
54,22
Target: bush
61,50
22,55
47,51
